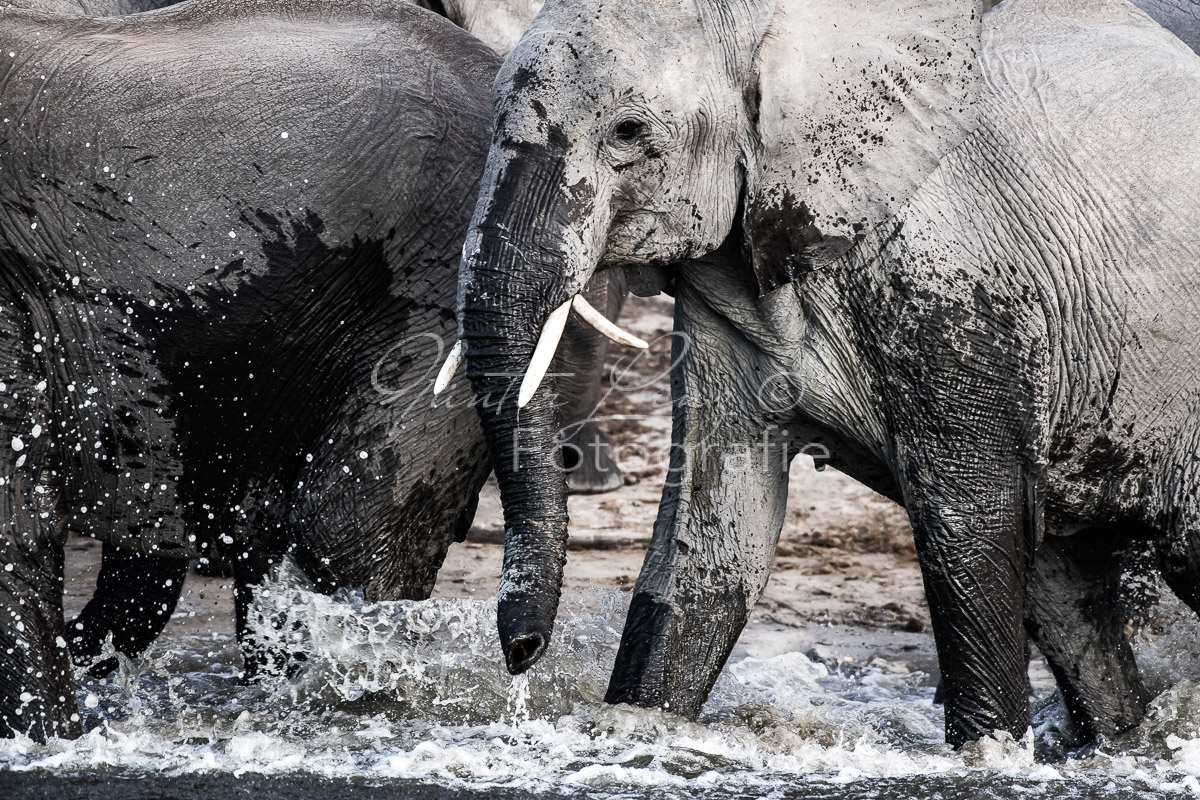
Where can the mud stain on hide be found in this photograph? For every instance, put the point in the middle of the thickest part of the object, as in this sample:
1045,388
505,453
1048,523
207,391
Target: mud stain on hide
258,362
1104,457
525,78
529,203
406,566
784,242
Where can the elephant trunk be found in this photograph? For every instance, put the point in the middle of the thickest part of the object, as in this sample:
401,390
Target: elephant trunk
516,280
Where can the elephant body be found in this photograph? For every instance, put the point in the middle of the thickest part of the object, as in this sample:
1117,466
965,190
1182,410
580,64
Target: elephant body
237,314
226,283
137,592
958,258
1181,17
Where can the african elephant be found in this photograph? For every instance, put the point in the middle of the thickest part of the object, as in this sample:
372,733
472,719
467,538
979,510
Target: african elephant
136,593
221,305
965,265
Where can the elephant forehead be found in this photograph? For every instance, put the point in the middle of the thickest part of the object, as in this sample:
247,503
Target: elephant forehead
618,20
596,57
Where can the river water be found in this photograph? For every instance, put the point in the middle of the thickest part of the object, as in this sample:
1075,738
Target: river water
410,700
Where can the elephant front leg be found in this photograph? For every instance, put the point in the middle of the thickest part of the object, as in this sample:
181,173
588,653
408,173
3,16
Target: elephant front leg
37,693
713,544
135,597
969,521
588,459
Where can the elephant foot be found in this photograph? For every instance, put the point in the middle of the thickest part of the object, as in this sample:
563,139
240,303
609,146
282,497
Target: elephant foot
587,457
37,693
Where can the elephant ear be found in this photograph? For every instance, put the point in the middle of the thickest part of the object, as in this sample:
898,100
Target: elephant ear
858,102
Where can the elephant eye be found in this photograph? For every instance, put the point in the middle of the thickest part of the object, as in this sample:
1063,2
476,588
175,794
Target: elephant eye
628,129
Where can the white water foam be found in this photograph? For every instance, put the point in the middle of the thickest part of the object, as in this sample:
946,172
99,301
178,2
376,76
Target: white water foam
417,691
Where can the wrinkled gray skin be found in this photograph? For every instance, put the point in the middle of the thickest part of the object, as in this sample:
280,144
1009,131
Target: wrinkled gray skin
1086,595
1181,17
89,8
499,23
214,337
972,280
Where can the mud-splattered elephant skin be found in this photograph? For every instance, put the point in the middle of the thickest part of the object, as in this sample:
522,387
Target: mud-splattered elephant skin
226,285
206,294
955,253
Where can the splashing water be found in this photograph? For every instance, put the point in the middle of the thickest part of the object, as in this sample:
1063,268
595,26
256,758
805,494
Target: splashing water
417,692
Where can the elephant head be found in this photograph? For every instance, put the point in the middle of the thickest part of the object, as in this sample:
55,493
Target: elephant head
652,133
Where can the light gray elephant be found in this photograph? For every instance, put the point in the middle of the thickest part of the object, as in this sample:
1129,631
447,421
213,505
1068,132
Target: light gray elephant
963,260
499,23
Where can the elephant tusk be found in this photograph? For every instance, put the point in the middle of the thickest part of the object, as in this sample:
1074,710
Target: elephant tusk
543,354
453,362
605,325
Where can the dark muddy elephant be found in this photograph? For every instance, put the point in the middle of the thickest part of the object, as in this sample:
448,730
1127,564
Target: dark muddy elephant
967,266
222,306
136,593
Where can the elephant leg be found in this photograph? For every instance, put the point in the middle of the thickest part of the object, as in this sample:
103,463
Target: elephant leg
714,540
135,597
250,569
37,693
1073,613
587,453
588,459
972,546
1179,559
939,692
